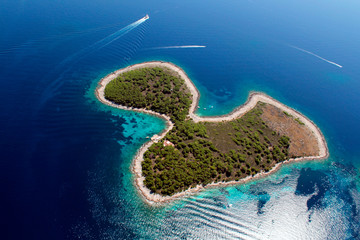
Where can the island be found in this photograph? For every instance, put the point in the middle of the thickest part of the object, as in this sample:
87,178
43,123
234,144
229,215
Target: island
195,152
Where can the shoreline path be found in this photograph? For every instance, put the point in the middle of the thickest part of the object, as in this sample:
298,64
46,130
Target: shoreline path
253,99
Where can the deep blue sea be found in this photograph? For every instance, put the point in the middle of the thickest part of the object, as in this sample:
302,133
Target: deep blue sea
65,157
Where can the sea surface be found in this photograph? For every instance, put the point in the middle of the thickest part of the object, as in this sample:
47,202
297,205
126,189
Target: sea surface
65,157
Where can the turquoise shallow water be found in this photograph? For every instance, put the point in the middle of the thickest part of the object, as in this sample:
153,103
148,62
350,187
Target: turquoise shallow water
65,170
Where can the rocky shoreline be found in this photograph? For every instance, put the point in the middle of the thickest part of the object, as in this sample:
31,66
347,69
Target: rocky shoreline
253,99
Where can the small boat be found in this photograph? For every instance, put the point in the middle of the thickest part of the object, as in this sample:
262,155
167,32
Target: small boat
146,17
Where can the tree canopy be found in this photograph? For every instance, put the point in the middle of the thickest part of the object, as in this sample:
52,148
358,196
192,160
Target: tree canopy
199,153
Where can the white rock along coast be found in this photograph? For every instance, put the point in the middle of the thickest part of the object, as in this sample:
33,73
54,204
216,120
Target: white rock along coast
253,99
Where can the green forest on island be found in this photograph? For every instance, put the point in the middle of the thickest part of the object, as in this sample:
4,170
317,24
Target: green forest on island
199,153
154,89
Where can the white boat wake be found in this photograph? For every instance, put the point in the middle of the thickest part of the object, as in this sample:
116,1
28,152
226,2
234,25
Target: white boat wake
313,54
116,35
67,64
103,42
184,46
